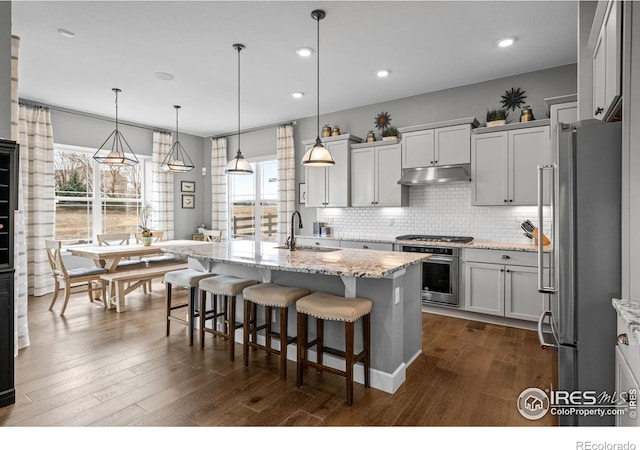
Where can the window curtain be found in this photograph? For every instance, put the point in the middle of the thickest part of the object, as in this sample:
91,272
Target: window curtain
286,179
37,192
162,198
219,185
20,288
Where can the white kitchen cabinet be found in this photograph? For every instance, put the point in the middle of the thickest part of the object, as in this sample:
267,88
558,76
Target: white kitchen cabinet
375,171
310,241
607,64
627,370
330,186
504,165
437,147
502,283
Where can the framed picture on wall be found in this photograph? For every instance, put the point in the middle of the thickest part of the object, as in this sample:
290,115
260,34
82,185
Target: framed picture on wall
187,186
188,201
302,192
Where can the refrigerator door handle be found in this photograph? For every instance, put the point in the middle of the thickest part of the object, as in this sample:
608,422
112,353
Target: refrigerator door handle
551,168
545,345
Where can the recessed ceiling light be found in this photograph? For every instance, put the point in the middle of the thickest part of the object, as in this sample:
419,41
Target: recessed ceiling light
163,76
506,42
383,73
297,94
304,52
66,33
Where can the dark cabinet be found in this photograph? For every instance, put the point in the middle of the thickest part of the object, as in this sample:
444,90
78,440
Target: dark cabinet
8,204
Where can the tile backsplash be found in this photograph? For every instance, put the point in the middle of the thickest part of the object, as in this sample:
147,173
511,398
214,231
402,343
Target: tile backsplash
433,209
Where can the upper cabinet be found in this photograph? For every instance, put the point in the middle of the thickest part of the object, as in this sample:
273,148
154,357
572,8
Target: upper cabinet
375,171
438,144
504,164
330,186
607,63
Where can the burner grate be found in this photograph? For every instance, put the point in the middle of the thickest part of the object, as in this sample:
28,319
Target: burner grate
426,237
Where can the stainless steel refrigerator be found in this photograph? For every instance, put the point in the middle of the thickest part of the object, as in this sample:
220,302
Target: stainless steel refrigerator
583,190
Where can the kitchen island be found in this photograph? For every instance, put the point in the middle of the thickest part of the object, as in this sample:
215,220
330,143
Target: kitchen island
391,280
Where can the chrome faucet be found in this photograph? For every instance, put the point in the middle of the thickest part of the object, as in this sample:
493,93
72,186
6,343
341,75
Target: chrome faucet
291,240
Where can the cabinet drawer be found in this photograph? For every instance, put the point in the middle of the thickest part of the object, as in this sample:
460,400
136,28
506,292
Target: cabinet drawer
511,257
317,242
367,245
630,352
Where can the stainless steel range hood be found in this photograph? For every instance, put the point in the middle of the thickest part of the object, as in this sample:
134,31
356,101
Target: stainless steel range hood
429,175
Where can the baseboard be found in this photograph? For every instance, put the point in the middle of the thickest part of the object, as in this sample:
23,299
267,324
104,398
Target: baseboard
487,318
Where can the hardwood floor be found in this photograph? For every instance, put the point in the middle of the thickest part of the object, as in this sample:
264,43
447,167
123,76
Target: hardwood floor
95,367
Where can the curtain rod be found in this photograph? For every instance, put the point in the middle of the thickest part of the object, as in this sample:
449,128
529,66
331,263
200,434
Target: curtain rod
34,104
251,130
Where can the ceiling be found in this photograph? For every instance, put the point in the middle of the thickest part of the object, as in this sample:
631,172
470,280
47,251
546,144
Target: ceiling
427,46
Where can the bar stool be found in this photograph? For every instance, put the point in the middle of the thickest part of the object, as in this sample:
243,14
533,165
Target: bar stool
324,306
225,288
269,296
186,278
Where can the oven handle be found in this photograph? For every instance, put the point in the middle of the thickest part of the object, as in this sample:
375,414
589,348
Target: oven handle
439,259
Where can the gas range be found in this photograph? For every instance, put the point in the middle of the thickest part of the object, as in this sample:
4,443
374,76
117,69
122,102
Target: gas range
435,238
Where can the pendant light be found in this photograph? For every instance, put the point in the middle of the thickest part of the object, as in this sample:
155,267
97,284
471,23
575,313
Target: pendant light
177,160
116,153
238,165
318,155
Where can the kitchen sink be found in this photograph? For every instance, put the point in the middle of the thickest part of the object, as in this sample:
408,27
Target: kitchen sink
308,248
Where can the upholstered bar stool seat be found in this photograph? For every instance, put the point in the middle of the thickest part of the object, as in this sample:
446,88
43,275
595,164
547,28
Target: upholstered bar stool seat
189,279
269,296
223,289
324,306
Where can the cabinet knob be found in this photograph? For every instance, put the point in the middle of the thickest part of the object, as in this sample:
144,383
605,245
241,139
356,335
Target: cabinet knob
623,339
508,271
365,246
501,270
506,257
317,243
436,162
431,162
505,200
510,200
598,111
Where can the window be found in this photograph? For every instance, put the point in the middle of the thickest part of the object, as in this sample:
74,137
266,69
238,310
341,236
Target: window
93,198
252,196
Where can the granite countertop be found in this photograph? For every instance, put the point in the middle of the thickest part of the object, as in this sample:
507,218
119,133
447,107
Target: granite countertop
343,262
629,311
480,244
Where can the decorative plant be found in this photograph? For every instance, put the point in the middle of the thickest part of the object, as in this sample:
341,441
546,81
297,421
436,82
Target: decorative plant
390,131
145,221
497,114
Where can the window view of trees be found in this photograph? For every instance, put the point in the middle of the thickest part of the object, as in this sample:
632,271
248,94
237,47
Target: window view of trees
93,198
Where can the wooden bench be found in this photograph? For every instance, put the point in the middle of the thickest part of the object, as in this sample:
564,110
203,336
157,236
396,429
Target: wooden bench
126,281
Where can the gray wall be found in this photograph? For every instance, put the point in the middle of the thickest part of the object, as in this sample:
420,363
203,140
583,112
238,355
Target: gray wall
74,129
586,12
5,69
464,101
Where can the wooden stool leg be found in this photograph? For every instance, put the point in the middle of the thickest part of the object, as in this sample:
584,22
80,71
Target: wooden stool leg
302,348
366,339
214,307
284,317
246,329
320,345
232,327
167,297
192,313
349,338
203,301
254,320
267,318
224,303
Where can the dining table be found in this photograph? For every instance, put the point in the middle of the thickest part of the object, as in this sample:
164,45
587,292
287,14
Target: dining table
108,257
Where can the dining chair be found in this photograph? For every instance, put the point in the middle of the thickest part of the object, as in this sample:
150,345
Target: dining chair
212,235
114,239
156,235
89,276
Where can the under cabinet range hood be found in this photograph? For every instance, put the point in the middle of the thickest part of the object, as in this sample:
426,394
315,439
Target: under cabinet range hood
429,175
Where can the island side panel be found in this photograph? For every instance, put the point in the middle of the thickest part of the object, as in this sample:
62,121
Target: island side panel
410,285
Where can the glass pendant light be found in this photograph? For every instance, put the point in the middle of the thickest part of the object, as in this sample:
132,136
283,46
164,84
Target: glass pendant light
177,159
318,155
116,153
238,165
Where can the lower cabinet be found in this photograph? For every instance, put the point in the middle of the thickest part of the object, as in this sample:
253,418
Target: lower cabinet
506,289
367,245
627,374
626,385
7,390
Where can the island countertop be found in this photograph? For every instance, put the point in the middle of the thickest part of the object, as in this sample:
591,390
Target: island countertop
348,262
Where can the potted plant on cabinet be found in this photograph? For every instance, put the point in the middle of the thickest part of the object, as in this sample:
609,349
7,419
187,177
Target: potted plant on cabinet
390,134
496,117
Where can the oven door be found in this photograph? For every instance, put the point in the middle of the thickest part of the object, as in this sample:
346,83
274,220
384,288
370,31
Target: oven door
440,281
